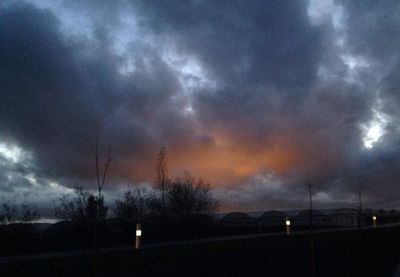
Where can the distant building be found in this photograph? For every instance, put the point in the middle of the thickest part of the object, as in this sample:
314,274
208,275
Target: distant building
236,218
318,218
344,218
272,218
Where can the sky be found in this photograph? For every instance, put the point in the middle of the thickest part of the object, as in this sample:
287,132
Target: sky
259,98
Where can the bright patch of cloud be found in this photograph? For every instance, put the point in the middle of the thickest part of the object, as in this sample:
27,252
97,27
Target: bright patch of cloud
354,62
59,189
373,134
72,23
375,129
11,153
191,73
188,109
323,11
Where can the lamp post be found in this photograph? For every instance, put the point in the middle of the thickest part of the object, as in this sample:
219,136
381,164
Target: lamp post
138,235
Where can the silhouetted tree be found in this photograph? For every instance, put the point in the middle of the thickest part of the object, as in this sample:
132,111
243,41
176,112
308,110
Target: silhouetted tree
81,209
14,214
187,197
9,213
133,206
27,214
100,183
156,205
100,200
162,179
184,198
73,209
95,209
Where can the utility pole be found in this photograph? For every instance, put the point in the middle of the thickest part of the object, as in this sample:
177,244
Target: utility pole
360,214
313,270
360,228
311,208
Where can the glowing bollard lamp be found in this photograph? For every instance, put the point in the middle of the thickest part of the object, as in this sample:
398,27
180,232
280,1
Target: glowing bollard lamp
374,221
287,223
138,235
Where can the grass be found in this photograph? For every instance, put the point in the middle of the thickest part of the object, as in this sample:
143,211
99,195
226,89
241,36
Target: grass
337,254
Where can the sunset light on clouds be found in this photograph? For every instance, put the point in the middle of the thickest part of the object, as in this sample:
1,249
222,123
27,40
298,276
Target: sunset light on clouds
256,97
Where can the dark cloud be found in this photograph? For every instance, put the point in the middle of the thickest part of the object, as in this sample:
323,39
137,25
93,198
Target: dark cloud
255,97
242,43
373,28
57,97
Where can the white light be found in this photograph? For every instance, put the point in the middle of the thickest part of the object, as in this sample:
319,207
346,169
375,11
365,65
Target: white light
374,218
138,233
287,222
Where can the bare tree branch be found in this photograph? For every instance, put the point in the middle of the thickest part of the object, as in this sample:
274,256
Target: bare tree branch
108,161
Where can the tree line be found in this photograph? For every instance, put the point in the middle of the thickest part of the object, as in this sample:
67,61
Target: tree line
169,200
14,213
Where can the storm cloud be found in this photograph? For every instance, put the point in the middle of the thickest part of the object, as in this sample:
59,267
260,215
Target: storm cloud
257,97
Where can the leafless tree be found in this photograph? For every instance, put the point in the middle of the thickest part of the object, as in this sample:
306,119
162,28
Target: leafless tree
133,206
184,198
101,176
27,214
81,209
73,209
162,179
8,213
100,184
188,197
22,214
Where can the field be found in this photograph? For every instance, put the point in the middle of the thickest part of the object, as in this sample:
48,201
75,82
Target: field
340,253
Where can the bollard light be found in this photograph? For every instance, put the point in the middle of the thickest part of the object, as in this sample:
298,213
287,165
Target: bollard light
138,235
287,223
374,221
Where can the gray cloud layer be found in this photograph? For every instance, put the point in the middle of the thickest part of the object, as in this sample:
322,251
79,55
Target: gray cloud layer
258,97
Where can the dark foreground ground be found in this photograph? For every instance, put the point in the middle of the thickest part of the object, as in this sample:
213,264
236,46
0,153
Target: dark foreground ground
375,253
